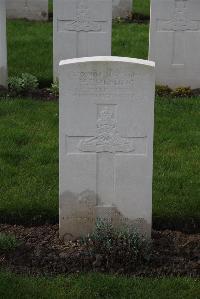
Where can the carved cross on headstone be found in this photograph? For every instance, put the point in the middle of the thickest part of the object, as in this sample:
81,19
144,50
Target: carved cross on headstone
178,25
82,24
106,145
26,4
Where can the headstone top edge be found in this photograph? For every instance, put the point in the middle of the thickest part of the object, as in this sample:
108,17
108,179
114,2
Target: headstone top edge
108,59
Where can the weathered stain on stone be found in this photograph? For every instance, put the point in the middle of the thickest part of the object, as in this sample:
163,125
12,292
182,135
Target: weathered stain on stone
44,14
80,212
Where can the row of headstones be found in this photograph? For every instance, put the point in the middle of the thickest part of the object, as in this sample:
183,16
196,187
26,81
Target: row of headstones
81,31
106,124
38,9
107,112
63,10
103,130
174,37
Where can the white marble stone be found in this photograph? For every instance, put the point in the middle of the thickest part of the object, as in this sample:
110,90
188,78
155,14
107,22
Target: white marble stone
121,8
3,44
82,28
175,42
27,9
106,143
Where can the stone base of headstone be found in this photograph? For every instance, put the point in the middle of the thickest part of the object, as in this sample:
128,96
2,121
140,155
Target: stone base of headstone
27,9
121,8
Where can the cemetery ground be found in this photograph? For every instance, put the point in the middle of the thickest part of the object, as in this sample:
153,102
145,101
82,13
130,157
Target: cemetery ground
29,189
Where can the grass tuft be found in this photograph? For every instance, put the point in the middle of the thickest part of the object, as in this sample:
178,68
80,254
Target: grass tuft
97,286
8,242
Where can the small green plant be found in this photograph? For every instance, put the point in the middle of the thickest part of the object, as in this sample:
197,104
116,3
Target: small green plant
8,242
117,246
182,92
14,85
163,90
118,20
25,83
54,89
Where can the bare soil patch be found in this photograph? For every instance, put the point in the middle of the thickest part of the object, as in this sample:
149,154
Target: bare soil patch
42,252
43,94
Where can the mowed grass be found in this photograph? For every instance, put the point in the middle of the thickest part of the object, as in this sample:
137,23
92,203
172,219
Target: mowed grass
30,46
50,6
141,7
130,40
29,161
176,185
30,49
97,286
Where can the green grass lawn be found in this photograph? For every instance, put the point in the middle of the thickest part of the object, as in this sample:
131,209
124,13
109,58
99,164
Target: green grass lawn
97,286
30,46
141,7
29,161
29,133
50,6
29,165
30,49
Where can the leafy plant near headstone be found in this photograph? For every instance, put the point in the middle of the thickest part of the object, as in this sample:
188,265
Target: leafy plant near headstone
182,92
54,89
111,246
179,92
22,85
8,242
163,90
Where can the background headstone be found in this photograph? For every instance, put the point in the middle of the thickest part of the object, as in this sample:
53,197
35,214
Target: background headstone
175,42
81,28
122,8
27,9
3,44
106,143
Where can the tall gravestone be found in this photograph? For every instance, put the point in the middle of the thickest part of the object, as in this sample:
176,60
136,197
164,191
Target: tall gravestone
3,44
27,9
121,8
106,143
82,28
175,42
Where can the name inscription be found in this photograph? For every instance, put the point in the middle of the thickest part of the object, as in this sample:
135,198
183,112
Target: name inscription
110,82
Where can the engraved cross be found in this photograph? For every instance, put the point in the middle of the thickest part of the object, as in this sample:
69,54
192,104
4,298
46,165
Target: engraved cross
107,144
178,25
82,25
26,4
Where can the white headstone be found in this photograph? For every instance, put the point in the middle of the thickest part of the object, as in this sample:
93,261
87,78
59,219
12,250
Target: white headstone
106,143
27,9
82,28
3,44
175,42
122,8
